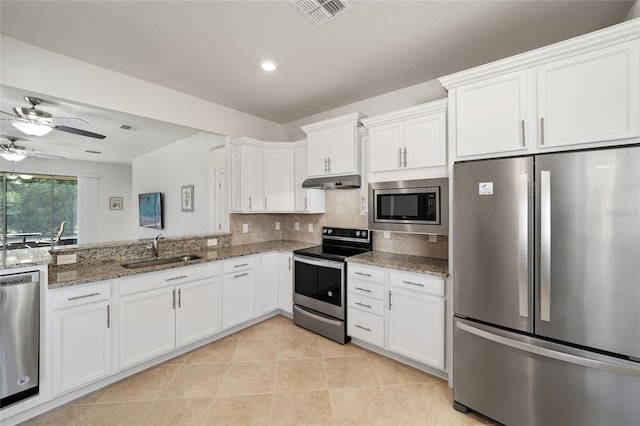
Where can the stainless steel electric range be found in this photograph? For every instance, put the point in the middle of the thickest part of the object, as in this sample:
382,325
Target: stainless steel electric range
320,281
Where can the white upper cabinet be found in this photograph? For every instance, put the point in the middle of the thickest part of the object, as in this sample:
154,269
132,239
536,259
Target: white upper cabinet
491,115
278,179
412,139
590,97
307,200
247,176
581,93
333,146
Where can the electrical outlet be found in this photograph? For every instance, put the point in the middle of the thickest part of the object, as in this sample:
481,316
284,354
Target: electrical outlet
296,226
212,242
310,227
387,234
245,228
67,259
277,226
433,238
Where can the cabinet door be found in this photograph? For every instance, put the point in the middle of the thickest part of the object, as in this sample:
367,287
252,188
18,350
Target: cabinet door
425,141
81,346
300,174
343,150
278,180
416,326
254,176
490,115
592,97
198,310
318,153
146,326
237,298
267,287
364,183
285,282
237,180
385,147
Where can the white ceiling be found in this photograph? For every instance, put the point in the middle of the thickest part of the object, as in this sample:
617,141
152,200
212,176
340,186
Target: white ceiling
212,50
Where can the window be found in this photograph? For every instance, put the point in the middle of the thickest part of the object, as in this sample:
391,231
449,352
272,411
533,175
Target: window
34,207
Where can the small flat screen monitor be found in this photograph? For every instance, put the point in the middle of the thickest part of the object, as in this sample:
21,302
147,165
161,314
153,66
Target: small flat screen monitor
150,210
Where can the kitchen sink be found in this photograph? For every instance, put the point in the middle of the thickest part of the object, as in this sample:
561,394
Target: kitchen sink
163,261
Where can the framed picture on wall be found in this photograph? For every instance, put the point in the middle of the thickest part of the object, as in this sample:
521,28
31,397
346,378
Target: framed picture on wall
115,203
187,198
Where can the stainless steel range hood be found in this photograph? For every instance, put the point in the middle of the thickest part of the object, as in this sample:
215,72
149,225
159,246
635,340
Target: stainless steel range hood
333,182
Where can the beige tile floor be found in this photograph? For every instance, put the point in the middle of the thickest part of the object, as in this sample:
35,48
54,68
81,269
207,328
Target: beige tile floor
273,373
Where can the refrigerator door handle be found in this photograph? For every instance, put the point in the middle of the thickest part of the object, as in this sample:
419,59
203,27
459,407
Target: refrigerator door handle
550,353
545,245
523,244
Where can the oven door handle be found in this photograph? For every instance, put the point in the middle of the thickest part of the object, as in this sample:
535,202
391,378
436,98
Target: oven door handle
319,262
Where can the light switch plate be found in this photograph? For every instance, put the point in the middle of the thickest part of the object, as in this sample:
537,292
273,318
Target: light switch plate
296,226
67,259
387,234
245,228
310,227
212,242
433,238
277,226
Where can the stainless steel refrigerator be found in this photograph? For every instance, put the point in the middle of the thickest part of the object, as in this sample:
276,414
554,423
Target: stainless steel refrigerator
547,288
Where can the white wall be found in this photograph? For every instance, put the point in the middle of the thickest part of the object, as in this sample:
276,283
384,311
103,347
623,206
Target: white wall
166,170
391,101
114,180
25,66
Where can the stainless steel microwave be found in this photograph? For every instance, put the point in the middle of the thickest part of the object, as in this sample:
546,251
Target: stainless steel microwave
416,206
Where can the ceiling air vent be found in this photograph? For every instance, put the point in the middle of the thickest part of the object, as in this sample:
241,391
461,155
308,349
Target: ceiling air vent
320,11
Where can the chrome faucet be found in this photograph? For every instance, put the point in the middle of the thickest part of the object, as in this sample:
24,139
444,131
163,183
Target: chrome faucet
154,246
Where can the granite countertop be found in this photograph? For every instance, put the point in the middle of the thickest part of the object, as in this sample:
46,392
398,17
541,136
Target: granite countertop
68,275
404,262
25,257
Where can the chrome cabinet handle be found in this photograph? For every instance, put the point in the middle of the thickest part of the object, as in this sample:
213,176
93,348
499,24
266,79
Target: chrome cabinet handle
545,245
329,164
249,203
240,275
108,316
265,203
325,166
523,134
389,299
362,273
412,283
363,328
173,303
363,289
289,262
362,203
363,304
240,265
400,157
542,131
306,203
176,278
83,296
179,298
523,244
405,157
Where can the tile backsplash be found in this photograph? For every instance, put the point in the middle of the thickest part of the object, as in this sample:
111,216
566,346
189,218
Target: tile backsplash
342,210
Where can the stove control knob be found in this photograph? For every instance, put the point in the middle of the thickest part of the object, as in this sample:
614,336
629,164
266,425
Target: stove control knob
329,231
364,234
324,231
357,233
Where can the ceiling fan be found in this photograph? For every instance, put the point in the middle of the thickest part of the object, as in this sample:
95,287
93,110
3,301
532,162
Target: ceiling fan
12,152
36,122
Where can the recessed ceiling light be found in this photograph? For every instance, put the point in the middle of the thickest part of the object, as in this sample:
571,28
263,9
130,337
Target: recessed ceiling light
269,66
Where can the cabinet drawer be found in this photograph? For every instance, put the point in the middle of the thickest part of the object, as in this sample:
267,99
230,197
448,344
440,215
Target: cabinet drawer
417,282
366,327
365,273
366,304
79,295
169,277
366,288
238,264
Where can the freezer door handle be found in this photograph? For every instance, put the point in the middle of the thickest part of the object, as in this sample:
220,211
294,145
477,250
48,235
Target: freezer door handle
523,244
545,245
550,353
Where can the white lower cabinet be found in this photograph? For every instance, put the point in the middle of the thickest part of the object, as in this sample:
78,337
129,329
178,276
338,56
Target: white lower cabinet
401,312
267,285
285,282
82,336
158,312
238,291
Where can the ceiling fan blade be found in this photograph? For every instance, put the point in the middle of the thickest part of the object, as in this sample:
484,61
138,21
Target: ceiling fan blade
8,113
62,121
46,156
79,132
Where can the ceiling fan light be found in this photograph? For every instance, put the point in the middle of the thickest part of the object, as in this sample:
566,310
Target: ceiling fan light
12,156
31,129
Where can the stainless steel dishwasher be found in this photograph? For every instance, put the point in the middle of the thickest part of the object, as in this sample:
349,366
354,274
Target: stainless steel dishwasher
19,336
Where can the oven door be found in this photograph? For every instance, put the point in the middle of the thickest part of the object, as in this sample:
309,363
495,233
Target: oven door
319,284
